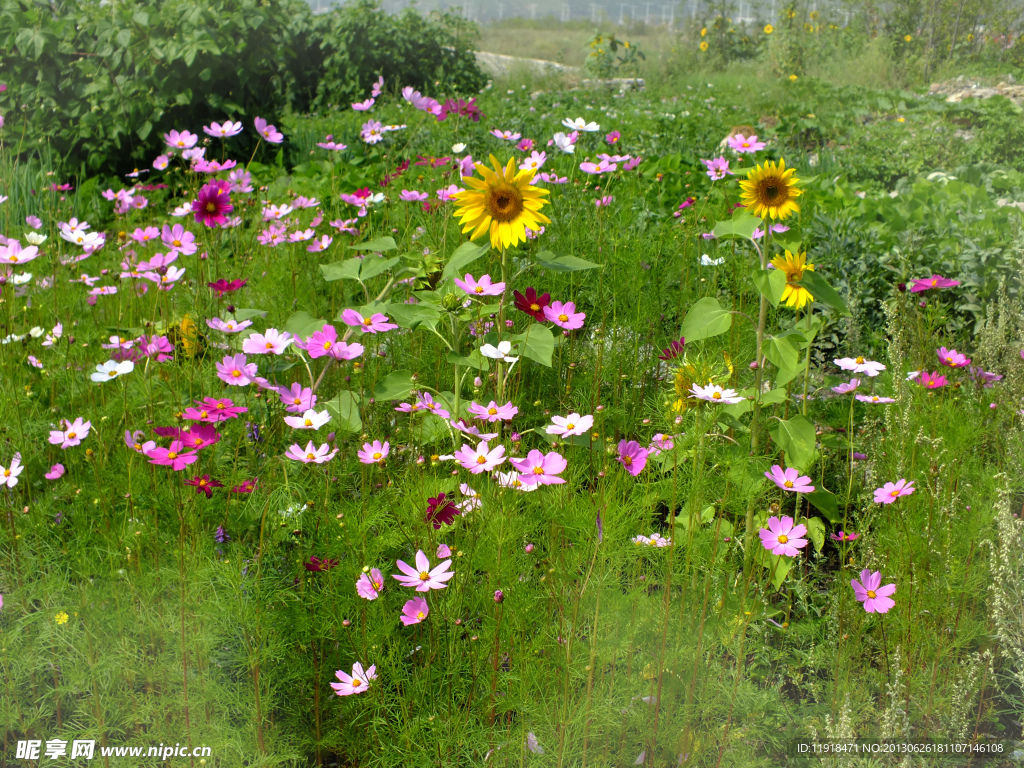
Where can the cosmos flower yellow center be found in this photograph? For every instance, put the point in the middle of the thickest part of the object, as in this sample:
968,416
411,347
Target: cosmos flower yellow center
874,398
112,373
236,373
492,411
481,459
269,345
627,460
872,594
716,395
138,447
788,483
570,426
783,539
202,483
211,207
367,321
327,345
895,493
72,435
310,456
172,454
356,682
535,307
177,243
297,401
420,615
377,456
7,473
563,317
309,423
538,470
478,289
934,283
859,361
424,576
949,358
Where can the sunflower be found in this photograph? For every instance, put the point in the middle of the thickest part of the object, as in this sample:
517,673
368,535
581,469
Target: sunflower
704,45
795,295
768,29
187,338
772,190
692,369
503,201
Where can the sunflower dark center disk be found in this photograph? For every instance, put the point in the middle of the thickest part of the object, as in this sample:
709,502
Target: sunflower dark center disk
503,202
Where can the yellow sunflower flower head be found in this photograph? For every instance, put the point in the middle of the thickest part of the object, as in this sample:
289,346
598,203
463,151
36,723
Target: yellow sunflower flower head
795,295
771,190
503,203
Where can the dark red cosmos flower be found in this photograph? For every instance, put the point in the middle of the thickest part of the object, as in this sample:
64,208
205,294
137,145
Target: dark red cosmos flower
461,107
222,286
204,485
402,168
247,486
673,350
441,511
316,564
532,304
214,203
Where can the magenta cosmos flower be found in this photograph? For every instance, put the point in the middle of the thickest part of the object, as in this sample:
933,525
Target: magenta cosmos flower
540,468
480,459
952,358
781,537
357,682
235,371
325,342
717,168
889,492
74,432
482,288
269,132
935,281
374,452
422,578
931,380
205,485
564,315
632,456
566,426
868,591
414,611
844,536
375,323
740,144
212,409
369,586
790,480
175,457
213,204
493,412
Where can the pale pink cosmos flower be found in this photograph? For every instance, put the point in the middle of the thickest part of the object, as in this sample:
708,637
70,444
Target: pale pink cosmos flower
718,168
447,194
364,106
273,342
309,420
375,323
632,456
422,578
414,611
511,480
952,358
846,387
357,682
860,365
227,326
182,140
749,144
480,459
870,592
426,402
781,537
269,133
493,412
598,168
713,393
320,244
534,162
178,240
540,468
876,399
56,472
297,398
223,130
73,433
412,196
889,492
369,586
566,426
235,371
506,135
161,162
443,550
472,431
9,475
375,452
660,443
310,454
790,480
482,288
564,315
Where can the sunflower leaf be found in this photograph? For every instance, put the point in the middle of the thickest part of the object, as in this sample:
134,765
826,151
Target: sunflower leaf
825,502
537,344
771,283
379,245
797,438
395,386
815,531
558,263
464,255
741,225
344,409
303,324
705,319
822,291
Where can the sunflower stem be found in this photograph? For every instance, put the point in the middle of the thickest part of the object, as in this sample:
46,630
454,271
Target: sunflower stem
501,316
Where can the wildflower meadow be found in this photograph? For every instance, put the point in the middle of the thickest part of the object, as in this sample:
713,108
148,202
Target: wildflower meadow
547,425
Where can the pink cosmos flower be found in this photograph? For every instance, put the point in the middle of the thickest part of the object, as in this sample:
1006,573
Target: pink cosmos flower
235,371
935,281
178,240
540,468
566,426
375,323
182,140
526,145
844,536
199,436
325,342
174,457
604,201
660,443
598,168
412,196
214,409
223,130
564,315
613,137
273,342
553,178
269,132
205,485
870,592
860,365
632,456
374,453
309,454
472,431
781,537
227,326
506,135
480,459
790,480
56,472
320,244
74,433
357,682
482,288
414,611
370,586
740,144
422,578
889,492
846,387
874,399
718,168
931,380
426,402
443,550
952,358
213,204
13,253
534,162
364,106
493,412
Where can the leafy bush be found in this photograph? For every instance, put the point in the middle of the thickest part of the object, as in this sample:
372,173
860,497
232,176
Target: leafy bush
361,41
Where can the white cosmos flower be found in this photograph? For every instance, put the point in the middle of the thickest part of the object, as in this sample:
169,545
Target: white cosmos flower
707,261
22,278
457,148
715,394
112,369
579,124
502,352
309,420
35,238
564,143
